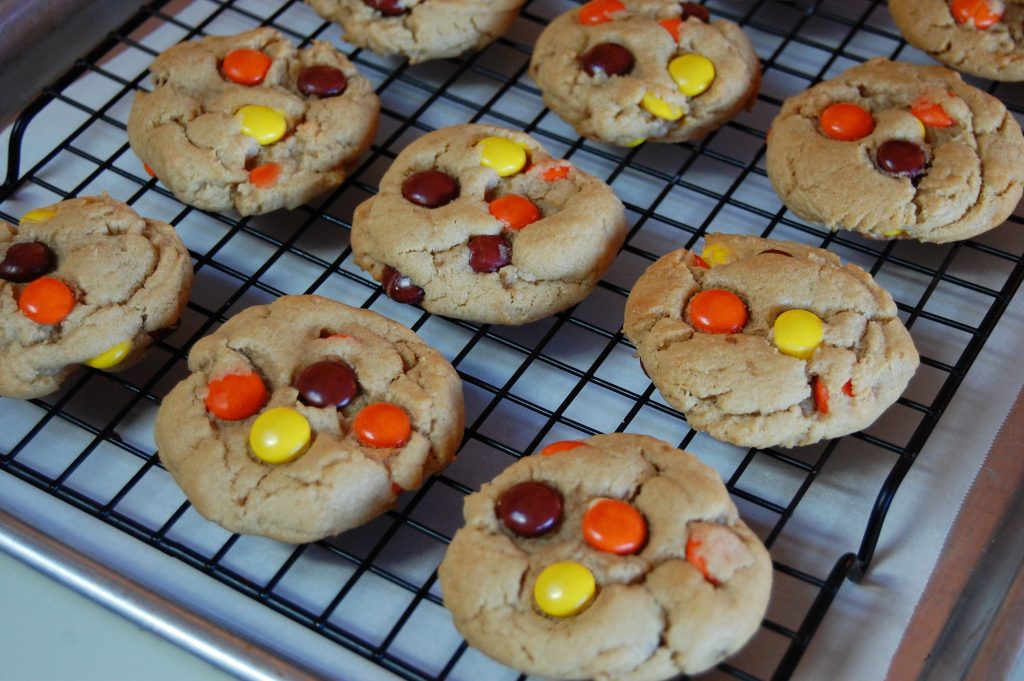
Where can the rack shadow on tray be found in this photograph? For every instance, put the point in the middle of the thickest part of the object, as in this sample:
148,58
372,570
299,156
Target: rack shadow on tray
560,378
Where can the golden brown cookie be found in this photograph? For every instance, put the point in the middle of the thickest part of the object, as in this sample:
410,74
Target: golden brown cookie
307,417
644,70
895,150
767,343
478,222
84,281
420,29
250,122
982,37
620,558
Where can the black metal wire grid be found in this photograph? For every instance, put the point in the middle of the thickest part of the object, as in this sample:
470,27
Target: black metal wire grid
373,590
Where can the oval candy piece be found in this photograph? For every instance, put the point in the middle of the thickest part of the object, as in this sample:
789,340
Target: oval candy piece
798,333
110,357
489,253
599,11
560,446
46,301
982,12
265,176
37,215
279,435
718,254
659,108
716,310
235,397
322,81
693,73
930,113
672,25
245,66
330,383
614,526
399,287
564,589
514,211
382,425
27,261
900,157
697,11
610,59
530,508
846,122
263,124
389,8
502,155
430,189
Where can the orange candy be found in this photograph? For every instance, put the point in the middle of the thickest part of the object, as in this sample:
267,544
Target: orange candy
246,67
553,173
983,12
149,171
560,446
716,310
820,392
614,526
397,489
700,262
46,300
382,425
846,122
695,557
266,175
672,25
514,210
599,11
236,396
848,388
932,115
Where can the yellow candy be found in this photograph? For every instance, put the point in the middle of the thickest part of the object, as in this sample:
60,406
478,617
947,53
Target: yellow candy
279,435
38,215
693,73
637,142
110,357
564,589
894,232
920,125
798,333
502,155
660,108
263,124
717,254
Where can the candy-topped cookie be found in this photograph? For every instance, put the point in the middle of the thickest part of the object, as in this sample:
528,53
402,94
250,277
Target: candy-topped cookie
420,29
619,557
84,281
982,37
895,150
768,343
631,71
250,122
307,417
478,222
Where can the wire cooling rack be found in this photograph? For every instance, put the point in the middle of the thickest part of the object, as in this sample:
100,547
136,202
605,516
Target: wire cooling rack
373,590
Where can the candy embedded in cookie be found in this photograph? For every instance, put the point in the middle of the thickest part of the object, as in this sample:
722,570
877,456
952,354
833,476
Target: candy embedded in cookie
86,281
418,29
251,122
922,154
560,550
306,417
631,71
480,223
776,344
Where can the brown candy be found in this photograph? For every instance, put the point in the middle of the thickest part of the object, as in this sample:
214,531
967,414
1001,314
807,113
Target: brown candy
610,59
489,253
693,9
322,81
776,252
430,189
27,261
327,384
389,8
530,509
399,287
900,157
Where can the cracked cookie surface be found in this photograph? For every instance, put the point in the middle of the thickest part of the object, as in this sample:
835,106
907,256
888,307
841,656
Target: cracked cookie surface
966,180
994,51
429,241
338,478
691,594
746,385
86,280
420,29
189,129
607,97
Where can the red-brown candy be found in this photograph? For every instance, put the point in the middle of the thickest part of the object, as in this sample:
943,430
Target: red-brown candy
399,287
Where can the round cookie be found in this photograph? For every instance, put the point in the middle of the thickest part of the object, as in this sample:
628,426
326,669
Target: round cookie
981,37
250,122
620,558
895,150
420,29
644,70
768,343
84,281
478,222
307,417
